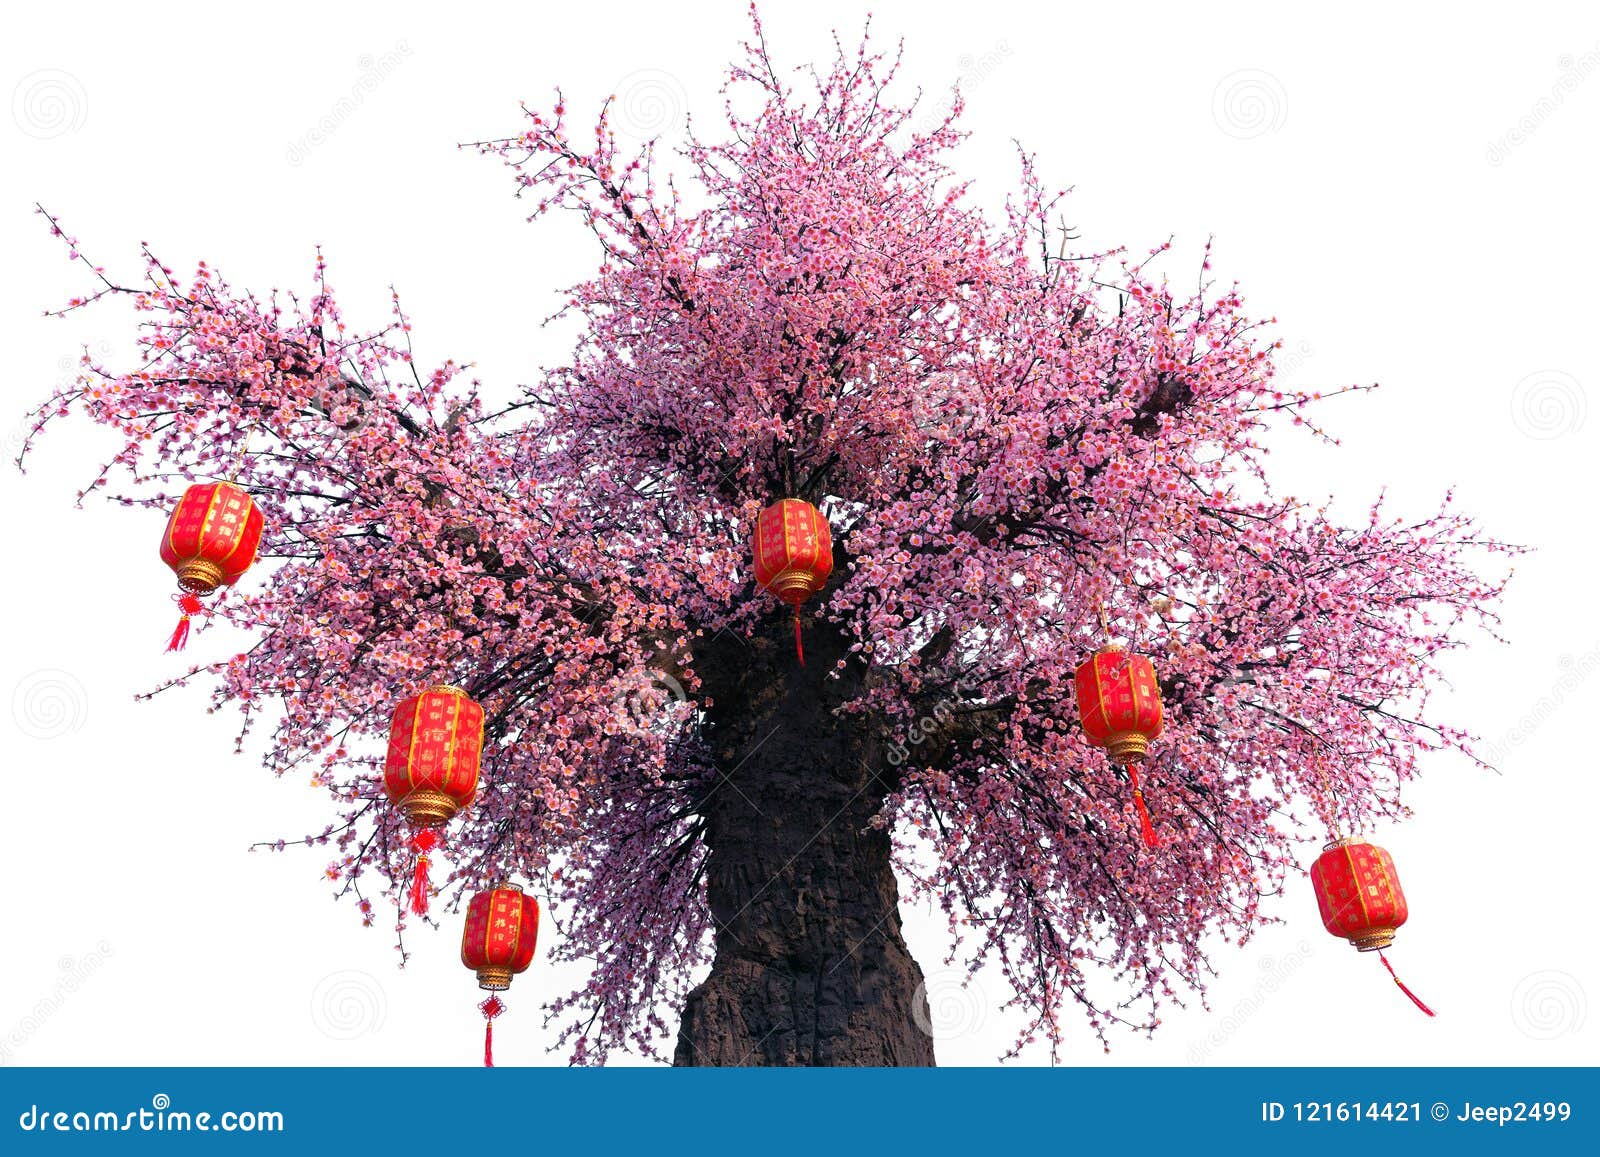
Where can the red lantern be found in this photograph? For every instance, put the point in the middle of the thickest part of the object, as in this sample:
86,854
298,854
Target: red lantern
793,555
1119,702
212,537
431,772
1359,896
498,942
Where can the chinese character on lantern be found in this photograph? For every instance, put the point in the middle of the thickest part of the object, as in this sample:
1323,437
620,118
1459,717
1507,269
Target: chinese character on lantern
1119,703
498,942
1359,896
211,540
793,555
431,771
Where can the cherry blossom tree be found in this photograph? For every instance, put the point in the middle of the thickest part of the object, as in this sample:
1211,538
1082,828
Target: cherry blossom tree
1012,443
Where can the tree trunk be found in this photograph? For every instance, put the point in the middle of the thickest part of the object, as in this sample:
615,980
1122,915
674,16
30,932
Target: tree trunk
810,967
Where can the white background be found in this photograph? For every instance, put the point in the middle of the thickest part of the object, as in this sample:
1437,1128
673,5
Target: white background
1411,195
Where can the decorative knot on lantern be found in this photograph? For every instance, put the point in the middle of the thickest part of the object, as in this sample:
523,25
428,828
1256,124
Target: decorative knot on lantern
431,770
1359,897
212,537
498,942
1119,704
490,1008
423,842
793,555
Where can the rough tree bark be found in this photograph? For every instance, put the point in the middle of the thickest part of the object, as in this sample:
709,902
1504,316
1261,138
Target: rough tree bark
811,967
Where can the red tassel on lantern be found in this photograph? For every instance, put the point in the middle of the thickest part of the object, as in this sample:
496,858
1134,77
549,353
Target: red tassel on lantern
423,842
1119,704
1400,984
212,537
1147,830
498,942
491,1008
1359,897
189,606
793,552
